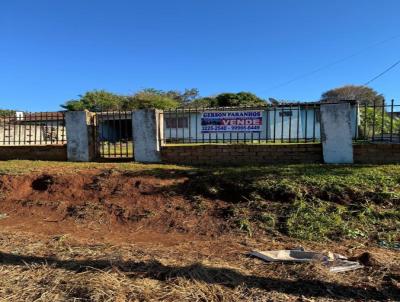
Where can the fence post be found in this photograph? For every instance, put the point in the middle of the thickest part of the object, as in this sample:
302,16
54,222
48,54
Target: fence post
80,142
336,133
147,129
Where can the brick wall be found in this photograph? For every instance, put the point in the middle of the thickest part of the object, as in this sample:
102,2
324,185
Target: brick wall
242,154
227,154
376,153
50,152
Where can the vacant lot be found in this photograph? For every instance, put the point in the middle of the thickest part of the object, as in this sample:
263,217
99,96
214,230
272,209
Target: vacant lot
130,232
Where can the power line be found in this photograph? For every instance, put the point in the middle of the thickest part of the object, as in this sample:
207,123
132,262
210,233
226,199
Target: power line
382,73
307,74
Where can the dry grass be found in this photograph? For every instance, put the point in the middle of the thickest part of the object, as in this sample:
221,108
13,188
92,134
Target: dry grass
62,269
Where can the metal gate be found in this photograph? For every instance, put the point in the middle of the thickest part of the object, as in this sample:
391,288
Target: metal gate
113,135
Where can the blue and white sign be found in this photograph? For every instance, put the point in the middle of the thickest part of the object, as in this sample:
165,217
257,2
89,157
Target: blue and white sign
231,121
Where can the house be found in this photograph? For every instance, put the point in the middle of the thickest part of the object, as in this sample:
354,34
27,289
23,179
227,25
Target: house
284,122
33,128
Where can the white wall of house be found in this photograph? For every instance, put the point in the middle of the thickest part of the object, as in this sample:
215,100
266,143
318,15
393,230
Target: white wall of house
30,134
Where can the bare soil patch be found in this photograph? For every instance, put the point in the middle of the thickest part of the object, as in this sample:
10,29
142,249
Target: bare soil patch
104,201
106,235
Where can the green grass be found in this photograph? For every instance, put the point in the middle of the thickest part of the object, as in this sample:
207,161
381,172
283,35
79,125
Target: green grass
27,166
310,201
315,220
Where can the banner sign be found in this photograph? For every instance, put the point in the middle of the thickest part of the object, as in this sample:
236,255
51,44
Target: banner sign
231,121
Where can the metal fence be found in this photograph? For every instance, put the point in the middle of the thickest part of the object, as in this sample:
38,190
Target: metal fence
378,122
285,123
113,135
288,123
32,128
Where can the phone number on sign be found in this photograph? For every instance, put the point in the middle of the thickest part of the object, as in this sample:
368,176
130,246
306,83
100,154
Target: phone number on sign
230,128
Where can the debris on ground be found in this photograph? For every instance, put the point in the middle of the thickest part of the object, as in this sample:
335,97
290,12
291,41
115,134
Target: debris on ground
340,266
289,255
3,216
336,262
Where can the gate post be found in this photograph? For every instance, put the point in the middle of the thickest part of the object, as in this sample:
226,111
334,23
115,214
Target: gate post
147,129
80,142
336,133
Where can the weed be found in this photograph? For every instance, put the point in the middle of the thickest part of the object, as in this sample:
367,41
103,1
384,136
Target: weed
355,233
245,225
279,190
315,221
267,220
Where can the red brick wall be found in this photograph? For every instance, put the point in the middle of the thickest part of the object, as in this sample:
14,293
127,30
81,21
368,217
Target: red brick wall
227,154
53,153
242,154
376,153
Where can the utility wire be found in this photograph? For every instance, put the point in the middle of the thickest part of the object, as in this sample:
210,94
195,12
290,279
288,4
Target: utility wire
307,74
382,73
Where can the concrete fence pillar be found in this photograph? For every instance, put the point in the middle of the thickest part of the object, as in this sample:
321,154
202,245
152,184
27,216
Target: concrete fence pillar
80,140
336,133
147,129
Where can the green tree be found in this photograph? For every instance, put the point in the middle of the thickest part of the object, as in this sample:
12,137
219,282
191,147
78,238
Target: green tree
362,94
237,100
151,98
184,98
6,112
200,102
96,100
374,123
240,99
103,100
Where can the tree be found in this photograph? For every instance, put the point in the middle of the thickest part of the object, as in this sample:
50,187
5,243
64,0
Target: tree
374,123
7,112
150,98
96,100
103,100
200,102
237,100
184,98
362,94
240,99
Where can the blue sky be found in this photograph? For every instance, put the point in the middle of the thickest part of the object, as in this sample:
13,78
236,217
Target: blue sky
52,51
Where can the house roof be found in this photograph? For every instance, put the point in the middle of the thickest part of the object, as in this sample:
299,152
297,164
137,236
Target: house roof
41,117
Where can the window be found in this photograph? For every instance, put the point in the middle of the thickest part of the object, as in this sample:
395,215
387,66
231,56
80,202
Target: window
177,122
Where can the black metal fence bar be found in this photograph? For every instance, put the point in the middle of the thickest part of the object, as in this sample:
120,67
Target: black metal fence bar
32,128
113,134
378,121
287,123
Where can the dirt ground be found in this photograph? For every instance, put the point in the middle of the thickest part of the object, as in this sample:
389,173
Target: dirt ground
105,235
